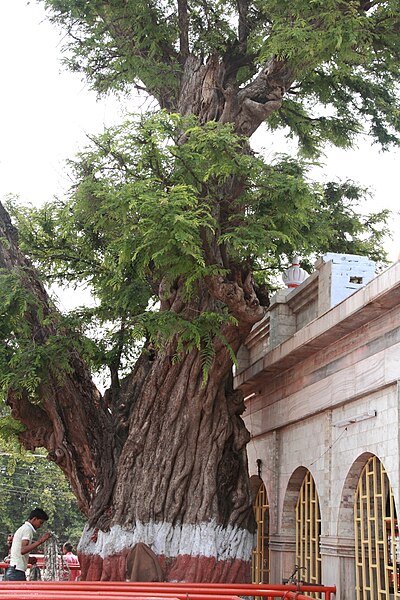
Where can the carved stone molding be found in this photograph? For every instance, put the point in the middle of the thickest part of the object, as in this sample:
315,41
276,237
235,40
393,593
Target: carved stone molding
337,546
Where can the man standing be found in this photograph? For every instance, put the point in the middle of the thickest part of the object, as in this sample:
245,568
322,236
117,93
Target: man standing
22,544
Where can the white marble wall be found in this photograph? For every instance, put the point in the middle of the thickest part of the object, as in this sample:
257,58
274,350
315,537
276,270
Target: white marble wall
343,364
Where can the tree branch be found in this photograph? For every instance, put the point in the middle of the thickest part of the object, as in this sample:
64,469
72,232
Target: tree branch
243,27
261,97
183,30
69,421
239,296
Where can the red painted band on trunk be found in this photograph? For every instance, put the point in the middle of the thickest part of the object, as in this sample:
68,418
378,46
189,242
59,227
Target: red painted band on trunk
181,568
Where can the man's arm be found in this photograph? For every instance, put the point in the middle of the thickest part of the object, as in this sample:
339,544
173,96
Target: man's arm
26,547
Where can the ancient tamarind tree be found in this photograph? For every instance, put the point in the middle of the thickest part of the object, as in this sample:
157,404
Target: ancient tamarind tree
175,225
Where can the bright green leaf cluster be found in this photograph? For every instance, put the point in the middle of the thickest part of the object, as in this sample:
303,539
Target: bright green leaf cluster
198,333
26,361
148,210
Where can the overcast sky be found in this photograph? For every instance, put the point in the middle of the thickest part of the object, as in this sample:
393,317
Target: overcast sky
46,113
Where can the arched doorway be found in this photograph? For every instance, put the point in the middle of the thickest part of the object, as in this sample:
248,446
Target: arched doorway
260,564
377,551
308,531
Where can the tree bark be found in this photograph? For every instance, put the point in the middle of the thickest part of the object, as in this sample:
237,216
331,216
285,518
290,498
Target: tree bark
210,91
181,482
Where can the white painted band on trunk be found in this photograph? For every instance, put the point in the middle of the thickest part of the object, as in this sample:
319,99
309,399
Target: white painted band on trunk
202,539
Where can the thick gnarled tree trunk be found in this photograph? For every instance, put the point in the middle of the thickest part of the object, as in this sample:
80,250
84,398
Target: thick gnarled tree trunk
181,481
161,458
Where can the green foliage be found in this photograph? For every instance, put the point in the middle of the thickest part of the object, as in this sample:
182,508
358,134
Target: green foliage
144,209
143,48
319,31
339,226
132,41
25,361
344,56
167,198
347,57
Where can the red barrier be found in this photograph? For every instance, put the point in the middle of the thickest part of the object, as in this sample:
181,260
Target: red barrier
180,591
19,594
62,594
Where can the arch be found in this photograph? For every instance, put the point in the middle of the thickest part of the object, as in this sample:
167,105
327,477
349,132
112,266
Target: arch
260,564
345,522
308,530
288,524
376,537
301,521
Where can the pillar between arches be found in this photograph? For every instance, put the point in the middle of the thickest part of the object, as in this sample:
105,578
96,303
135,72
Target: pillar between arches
338,566
283,556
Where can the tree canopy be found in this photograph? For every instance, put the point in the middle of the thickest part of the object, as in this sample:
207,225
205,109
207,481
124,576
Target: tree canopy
335,63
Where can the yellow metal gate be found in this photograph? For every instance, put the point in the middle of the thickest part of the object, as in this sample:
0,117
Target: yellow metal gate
260,558
308,531
376,535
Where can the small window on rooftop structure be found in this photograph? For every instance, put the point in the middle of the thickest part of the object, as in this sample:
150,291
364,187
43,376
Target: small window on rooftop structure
356,279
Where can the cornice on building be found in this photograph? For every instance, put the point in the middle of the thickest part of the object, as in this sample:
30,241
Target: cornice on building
260,357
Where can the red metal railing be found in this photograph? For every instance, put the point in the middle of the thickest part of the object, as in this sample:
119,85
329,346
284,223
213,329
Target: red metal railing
122,590
77,594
